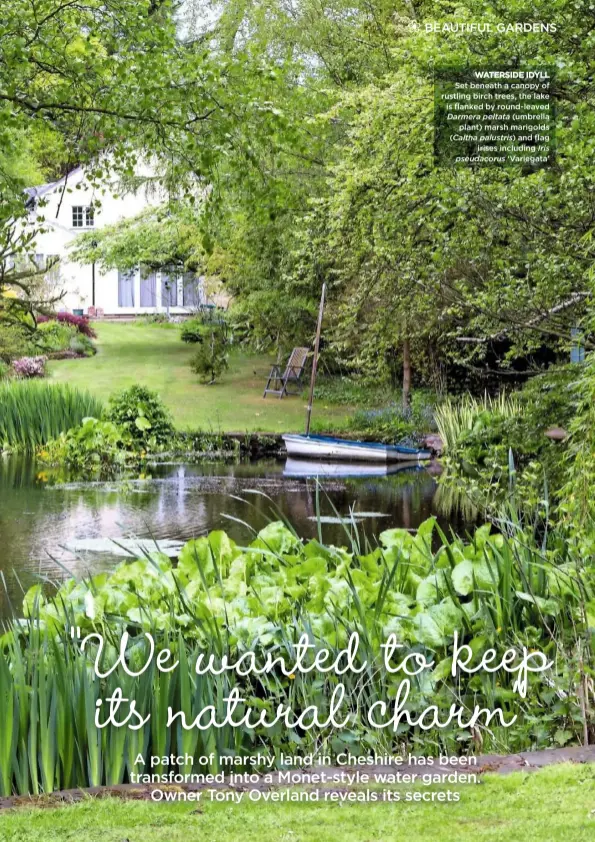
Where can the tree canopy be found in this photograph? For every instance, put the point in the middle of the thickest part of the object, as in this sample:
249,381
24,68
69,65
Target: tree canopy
480,266
310,124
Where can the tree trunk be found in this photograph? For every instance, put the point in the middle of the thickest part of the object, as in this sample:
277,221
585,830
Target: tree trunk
406,374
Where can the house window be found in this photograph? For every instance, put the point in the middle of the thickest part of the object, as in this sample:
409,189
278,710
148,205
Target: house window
83,216
169,289
148,288
126,288
192,290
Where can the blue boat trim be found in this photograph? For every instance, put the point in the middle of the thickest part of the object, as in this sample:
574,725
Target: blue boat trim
397,448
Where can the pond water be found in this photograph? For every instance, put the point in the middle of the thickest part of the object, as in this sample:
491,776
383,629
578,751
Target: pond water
50,530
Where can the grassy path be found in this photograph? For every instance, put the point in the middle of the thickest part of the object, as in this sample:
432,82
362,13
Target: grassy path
154,355
556,804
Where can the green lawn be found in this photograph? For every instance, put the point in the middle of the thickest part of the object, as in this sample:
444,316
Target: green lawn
556,804
154,355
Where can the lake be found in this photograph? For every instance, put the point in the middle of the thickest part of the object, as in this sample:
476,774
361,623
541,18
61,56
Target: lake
50,530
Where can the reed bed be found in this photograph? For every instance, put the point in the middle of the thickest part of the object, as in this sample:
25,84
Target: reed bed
455,417
32,412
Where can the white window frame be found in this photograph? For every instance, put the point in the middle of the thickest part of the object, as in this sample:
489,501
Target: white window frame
83,216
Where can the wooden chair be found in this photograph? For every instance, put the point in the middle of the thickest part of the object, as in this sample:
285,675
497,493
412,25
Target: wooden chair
279,383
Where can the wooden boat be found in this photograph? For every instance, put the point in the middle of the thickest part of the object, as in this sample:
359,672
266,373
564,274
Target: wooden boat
306,469
332,449
327,448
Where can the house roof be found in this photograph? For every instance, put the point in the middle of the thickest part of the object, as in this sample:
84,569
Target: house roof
41,190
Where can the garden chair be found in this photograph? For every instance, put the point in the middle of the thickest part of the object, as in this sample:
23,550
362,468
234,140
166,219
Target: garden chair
279,382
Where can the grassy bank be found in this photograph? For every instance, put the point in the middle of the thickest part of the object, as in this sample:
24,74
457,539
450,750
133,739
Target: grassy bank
154,356
554,804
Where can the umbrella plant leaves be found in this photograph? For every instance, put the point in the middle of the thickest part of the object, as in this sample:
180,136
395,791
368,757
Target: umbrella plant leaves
403,587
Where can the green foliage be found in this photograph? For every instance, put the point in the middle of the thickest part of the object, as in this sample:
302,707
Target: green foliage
159,238
94,446
274,318
223,599
196,444
55,336
193,331
313,130
206,321
455,419
499,441
63,64
476,270
210,359
314,134
577,501
349,390
32,413
15,341
141,415
132,82
551,398
394,422
81,344
388,424
266,193
135,422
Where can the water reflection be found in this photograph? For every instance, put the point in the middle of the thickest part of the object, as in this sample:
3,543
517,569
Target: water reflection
42,527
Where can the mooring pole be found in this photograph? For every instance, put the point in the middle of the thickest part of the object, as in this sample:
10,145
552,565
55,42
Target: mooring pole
315,360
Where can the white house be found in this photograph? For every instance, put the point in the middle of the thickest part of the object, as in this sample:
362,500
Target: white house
71,206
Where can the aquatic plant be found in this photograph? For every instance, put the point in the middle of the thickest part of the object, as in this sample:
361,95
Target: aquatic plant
141,414
32,413
495,590
457,417
493,445
95,446
576,499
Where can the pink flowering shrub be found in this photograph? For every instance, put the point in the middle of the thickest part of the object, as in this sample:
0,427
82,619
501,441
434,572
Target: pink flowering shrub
81,323
29,367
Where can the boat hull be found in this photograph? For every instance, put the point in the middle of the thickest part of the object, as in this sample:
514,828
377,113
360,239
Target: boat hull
308,468
331,449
